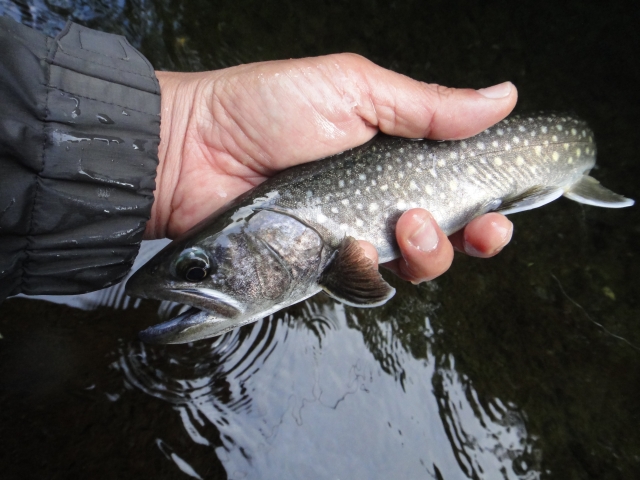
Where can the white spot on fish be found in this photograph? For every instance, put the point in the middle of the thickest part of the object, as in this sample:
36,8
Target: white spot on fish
384,188
453,185
359,222
357,192
373,207
497,161
559,128
555,156
453,155
516,140
441,163
344,226
543,129
494,144
429,190
480,145
578,153
554,138
334,210
401,205
519,161
341,183
433,173
471,170
420,157
522,129
359,206
309,194
379,168
362,176
463,144
345,201
321,218
574,132
570,160
500,132
412,185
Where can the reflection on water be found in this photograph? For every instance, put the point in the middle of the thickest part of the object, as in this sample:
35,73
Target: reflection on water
299,395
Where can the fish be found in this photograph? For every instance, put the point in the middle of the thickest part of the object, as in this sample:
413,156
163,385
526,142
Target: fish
295,234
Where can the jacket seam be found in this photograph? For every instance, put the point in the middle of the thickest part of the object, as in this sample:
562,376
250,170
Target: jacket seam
28,246
64,52
106,103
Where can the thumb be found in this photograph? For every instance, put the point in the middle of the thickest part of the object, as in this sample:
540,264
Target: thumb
405,107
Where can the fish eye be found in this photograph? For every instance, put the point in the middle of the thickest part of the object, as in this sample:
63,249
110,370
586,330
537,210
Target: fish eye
192,265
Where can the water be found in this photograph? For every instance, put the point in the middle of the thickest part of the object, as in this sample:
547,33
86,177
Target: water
523,366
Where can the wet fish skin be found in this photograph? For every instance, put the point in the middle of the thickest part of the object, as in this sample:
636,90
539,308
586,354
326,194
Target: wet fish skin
293,235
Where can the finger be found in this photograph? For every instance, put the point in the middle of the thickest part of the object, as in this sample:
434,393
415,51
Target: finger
484,236
369,251
426,251
405,107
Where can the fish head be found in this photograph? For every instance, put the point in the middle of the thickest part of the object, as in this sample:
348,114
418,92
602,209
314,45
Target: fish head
231,271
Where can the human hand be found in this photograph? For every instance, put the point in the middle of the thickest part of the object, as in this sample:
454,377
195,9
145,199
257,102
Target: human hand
224,132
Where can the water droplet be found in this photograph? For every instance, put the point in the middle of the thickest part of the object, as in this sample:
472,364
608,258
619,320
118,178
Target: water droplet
76,111
102,118
125,113
139,145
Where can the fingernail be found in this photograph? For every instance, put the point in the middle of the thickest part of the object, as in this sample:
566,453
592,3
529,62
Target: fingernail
425,237
501,90
504,234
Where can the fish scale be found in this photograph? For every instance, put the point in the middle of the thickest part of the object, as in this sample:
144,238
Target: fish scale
372,185
294,235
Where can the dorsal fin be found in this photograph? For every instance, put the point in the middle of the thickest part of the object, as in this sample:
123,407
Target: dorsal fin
354,279
589,191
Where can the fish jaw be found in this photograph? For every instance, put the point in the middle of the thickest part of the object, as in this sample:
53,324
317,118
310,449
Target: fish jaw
195,324
192,325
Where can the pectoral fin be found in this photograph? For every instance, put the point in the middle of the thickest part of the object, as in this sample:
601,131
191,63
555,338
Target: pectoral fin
532,198
589,191
354,279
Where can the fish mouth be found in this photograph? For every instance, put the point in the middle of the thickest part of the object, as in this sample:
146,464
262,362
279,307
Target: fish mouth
192,325
212,313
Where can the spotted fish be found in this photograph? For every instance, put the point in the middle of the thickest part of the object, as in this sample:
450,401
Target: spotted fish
294,235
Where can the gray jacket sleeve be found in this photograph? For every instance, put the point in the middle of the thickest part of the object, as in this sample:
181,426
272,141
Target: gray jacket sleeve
79,132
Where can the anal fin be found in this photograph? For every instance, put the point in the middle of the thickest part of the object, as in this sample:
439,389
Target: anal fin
354,279
589,191
531,198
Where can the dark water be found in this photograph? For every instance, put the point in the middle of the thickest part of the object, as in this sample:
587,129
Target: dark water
523,366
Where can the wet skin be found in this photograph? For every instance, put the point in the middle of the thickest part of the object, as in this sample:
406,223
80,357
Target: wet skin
224,132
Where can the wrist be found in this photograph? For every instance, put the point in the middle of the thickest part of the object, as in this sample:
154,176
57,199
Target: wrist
177,92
